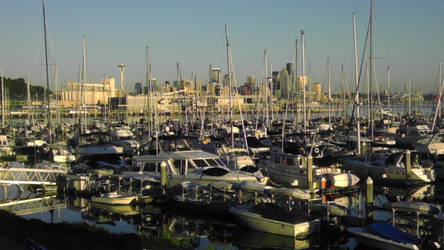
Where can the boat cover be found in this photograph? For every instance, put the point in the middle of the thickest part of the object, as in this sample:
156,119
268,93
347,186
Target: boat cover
390,232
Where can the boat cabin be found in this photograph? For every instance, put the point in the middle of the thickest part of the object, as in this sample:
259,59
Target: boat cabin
418,130
182,163
399,159
288,159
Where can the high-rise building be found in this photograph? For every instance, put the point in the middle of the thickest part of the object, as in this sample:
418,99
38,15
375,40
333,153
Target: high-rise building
317,90
226,81
250,84
285,83
215,75
276,80
289,67
138,88
154,84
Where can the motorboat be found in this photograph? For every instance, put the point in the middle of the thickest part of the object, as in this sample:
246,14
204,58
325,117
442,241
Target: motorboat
385,236
292,170
262,217
392,168
192,165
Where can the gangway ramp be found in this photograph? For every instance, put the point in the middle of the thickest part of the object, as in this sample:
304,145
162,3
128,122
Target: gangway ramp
33,176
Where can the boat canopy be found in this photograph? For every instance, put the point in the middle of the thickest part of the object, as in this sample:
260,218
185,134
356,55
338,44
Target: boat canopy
390,232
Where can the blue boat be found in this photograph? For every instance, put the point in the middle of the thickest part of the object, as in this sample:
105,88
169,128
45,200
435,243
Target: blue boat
384,236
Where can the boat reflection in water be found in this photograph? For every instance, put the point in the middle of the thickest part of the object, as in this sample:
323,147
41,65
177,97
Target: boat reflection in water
247,238
193,231
197,230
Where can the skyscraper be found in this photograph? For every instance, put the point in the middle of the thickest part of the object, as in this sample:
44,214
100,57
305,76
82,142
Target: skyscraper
225,81
215,75
138,88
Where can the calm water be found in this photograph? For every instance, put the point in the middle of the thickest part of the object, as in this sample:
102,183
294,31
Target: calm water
222,231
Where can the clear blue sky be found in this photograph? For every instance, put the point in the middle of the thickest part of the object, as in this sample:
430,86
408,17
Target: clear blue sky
408,36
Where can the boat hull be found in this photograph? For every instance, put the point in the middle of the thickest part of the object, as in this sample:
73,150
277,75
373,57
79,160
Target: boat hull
121,200
390,174
257,222
378,242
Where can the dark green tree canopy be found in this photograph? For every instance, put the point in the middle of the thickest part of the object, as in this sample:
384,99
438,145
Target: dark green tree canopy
16,89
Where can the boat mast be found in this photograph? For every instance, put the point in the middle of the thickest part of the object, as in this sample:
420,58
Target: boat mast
83,83
269,81
371,72
47,81
303,80
355,55
56,83
79,96
388,88
296,79
229,84
440,80
148,89
438,105
266,92
104,97
28,93
329,93
3,97
410,102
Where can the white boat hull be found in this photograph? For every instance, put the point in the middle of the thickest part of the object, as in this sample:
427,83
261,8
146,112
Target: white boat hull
119,200
259,223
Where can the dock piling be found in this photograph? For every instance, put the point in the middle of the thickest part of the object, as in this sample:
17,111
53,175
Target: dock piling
163,177
408,155
369,183
369,200
310,171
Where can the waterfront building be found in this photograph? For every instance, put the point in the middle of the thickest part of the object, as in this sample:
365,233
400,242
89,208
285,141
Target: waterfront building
317,90
302,82
89,93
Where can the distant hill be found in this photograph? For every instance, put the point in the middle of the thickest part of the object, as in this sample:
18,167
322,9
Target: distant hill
16,89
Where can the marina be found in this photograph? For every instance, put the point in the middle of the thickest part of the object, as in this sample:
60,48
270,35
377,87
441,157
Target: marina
280,162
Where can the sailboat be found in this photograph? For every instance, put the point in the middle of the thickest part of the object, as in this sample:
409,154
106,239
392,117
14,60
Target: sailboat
51,163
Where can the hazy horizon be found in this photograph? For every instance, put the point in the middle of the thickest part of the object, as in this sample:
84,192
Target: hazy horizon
407,37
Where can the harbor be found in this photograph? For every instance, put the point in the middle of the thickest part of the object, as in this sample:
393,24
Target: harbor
288,160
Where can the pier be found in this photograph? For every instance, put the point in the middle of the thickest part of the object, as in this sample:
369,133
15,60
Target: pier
30,176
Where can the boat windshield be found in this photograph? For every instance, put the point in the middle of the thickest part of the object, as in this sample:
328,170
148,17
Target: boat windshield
200,163
203,163
215,172
175,145
213,162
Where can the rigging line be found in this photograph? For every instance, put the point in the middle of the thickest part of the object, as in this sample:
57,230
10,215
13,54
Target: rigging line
239,106
359,83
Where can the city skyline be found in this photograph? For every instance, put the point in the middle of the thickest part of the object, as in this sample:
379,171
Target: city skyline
407,36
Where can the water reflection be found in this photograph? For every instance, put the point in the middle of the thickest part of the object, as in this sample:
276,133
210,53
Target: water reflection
186,229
